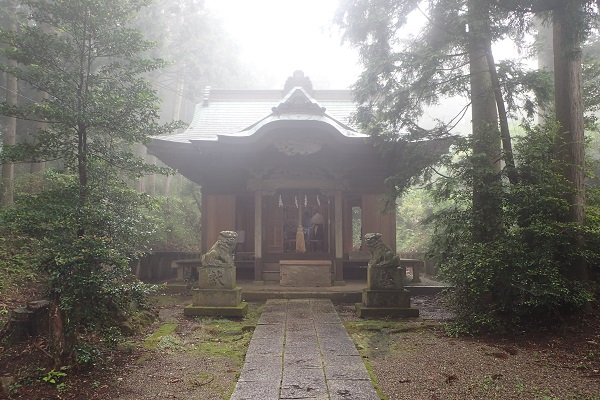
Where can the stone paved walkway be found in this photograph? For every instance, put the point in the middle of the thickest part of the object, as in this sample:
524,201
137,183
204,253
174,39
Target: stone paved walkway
301,350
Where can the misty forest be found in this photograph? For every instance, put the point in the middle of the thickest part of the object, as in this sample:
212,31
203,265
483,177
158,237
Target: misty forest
508,218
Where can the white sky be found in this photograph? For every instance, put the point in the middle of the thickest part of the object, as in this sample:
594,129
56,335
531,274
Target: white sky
278,37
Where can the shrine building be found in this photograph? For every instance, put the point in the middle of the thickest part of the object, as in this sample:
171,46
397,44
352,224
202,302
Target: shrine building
267,161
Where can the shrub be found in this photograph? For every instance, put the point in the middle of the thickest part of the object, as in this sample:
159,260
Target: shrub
522,276
88,272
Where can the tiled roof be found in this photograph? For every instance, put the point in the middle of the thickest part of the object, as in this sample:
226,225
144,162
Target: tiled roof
242,112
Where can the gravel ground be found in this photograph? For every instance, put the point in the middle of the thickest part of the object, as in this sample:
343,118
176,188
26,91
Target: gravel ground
175,370
176,376
413,360
409,360
430,366
420,362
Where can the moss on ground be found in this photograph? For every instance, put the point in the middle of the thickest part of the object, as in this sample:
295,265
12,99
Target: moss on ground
226,337
158,335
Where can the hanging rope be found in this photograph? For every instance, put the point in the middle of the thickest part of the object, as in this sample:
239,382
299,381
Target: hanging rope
300,244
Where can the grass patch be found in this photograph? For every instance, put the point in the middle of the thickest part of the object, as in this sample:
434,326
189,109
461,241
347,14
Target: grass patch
377,338
154,339
222,337
374,338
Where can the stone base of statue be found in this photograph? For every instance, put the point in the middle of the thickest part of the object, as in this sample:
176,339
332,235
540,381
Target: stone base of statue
378,303
385,295
216,303
217,294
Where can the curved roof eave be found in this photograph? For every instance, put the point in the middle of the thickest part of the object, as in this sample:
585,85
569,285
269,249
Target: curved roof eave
338,126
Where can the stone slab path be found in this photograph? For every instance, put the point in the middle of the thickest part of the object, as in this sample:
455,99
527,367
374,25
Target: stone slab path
301,350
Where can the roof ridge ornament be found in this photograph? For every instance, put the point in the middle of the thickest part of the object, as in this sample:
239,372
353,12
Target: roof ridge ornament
298,101
298,79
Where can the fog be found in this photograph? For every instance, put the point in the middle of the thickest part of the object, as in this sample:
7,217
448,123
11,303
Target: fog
277,37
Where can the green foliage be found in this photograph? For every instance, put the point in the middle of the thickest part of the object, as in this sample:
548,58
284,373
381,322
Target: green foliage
15,264
591,83
522,276
53,376
17,252
413,208
86,224
407,70
89,65
91,271
87,354
178,215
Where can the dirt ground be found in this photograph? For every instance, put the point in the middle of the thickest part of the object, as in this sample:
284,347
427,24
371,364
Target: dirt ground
201,359
420,362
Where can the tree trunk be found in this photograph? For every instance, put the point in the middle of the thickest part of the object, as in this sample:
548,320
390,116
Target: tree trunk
178,101
176,117
569,146
151,186
140,151
58,343
503,117
545,60
36,166
487,185
167,185
10,138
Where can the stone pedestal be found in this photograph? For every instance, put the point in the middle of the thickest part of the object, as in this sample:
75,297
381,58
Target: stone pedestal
217,303
385,295
385,303
385,278
220,277
217,294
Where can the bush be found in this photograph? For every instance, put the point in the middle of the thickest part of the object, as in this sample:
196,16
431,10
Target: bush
83,253
521,277
179,225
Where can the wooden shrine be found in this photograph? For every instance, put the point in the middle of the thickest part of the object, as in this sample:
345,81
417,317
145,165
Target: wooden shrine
267,162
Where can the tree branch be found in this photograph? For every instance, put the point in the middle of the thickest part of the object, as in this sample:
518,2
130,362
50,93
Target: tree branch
534,6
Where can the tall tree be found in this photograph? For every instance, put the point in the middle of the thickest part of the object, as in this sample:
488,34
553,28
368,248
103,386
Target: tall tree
10,134
502,228
487,186
201,51
202,54
572,21
569,31
450,56
91,64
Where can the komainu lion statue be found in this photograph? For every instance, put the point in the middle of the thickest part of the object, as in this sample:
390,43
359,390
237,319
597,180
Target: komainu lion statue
382,255
221,254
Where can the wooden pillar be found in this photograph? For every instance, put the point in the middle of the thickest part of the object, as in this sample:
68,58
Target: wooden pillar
338,265
375,221
203,225
258,236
